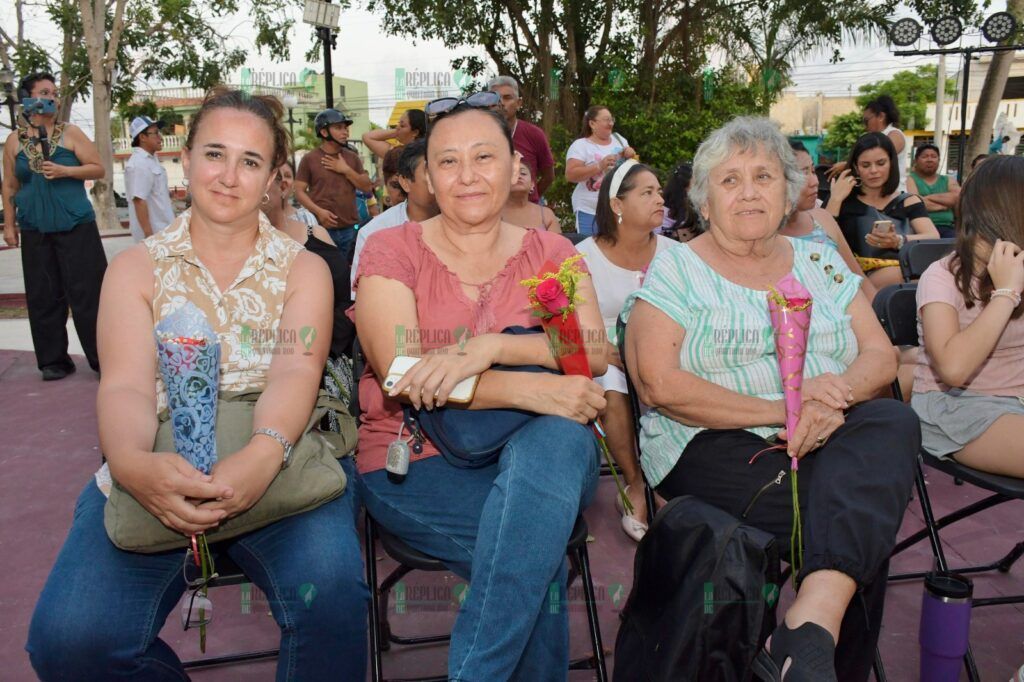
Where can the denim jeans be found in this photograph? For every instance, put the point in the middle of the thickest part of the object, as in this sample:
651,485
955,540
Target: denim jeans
102,608
504,528
344,238
585,223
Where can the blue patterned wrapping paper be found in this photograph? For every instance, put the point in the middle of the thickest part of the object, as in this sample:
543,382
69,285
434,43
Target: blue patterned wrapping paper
188,354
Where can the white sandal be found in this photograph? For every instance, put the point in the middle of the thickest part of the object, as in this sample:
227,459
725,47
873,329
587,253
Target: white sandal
631,526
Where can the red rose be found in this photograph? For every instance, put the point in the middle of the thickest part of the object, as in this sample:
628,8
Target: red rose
552,296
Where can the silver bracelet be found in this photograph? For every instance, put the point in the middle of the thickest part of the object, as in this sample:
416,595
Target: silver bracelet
1007,293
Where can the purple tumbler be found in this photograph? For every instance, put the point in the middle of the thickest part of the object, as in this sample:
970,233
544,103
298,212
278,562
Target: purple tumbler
945,626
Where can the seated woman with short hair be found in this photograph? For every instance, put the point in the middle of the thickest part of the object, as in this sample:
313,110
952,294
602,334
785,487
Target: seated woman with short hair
969,380
443,290
701,352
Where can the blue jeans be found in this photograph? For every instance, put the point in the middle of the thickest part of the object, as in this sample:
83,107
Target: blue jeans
505,528
585,223
102,608
344,238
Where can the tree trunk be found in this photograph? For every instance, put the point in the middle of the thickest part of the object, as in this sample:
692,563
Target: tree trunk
992,92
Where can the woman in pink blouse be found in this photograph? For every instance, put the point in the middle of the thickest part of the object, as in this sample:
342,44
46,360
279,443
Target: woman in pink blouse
444,290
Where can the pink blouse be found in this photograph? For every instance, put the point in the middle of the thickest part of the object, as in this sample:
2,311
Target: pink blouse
446,315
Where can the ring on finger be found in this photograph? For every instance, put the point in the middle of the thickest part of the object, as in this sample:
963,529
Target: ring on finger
821,439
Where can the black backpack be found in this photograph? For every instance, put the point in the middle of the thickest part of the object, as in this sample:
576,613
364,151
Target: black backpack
703,598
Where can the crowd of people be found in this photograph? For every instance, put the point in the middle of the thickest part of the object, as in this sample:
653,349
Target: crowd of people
685,259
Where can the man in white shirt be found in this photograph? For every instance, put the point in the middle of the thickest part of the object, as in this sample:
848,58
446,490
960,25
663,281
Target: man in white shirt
145,180
419,204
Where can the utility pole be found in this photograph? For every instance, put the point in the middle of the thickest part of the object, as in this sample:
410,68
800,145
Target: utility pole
324,16
328,40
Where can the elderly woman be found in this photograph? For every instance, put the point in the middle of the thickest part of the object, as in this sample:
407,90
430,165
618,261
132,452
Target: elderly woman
503,526
877,218
102,607
701,352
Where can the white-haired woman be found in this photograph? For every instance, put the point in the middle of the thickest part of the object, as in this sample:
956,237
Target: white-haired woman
701,352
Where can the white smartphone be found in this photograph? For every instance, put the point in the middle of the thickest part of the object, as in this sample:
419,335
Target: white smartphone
462,393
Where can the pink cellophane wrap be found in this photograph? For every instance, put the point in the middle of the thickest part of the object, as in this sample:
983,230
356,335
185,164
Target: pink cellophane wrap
789,306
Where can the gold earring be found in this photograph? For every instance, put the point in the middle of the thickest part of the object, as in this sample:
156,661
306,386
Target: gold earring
620,218
266,198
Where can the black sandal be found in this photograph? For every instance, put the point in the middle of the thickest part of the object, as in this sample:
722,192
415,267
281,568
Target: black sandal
811,649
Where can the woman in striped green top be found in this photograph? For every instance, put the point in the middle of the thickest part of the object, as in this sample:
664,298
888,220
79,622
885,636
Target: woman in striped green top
700,351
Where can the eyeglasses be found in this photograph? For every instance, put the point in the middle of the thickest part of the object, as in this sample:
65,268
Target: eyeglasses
610,119
437,108
198,571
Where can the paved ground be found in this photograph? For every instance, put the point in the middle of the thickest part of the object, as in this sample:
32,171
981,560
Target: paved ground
50,450
12,280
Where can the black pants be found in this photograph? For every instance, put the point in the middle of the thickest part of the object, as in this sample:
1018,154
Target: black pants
853,492
62,270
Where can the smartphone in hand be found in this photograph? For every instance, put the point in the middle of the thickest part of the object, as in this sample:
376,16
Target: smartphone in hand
462,393
882,227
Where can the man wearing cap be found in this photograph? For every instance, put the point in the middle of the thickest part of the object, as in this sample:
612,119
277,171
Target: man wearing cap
328,177
145,181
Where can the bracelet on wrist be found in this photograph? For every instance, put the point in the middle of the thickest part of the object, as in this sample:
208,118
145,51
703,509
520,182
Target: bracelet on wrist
1007,293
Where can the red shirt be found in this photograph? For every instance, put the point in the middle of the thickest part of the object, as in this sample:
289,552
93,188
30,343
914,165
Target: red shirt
530,141
445,314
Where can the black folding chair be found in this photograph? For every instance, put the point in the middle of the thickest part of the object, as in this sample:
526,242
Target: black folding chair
916,256
410,559
575,237
877,667
896,308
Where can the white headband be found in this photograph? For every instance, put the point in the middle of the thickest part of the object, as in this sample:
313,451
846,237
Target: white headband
620,173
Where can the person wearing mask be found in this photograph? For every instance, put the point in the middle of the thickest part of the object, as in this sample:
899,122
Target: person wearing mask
520,210
145,181
411,126
589,158
939,191
629,209
328,177
46,210
530,140
419,204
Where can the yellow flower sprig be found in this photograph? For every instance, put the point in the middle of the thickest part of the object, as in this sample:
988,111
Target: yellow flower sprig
569,274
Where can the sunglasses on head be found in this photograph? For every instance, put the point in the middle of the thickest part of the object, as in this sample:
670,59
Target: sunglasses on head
437,108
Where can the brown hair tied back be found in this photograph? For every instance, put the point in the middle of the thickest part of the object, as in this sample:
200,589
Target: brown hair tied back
265,107
991,207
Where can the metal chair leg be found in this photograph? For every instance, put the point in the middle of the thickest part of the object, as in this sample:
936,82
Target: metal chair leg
371,580
594,623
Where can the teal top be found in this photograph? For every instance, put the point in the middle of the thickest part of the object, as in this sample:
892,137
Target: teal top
729,340
944,217
817,235
49,205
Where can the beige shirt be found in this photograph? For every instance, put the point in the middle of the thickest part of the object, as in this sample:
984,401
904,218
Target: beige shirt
246,316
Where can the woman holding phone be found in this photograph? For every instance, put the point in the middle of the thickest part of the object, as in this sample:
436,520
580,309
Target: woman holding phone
589,158
876,218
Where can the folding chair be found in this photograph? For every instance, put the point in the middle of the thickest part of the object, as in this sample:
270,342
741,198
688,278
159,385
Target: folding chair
896,308
410,559
916,256
575,237
877,667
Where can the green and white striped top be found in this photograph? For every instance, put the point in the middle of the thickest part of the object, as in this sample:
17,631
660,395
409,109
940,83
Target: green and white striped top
728,338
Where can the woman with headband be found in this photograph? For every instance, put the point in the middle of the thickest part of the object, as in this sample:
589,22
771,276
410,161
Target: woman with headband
629,209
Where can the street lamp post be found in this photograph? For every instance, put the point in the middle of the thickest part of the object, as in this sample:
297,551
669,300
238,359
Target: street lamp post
7,81
290,101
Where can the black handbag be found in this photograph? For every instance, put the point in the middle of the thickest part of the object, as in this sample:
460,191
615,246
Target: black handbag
471,439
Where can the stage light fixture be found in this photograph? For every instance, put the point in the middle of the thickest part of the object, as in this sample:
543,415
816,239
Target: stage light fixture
905,32
947,30
999,27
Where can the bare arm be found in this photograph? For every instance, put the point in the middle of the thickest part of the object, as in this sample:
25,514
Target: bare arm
87,154
164,483
898,141
551,223
577,171
361,181
10,188
875,365
377,141
653,342
142,215
292,382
